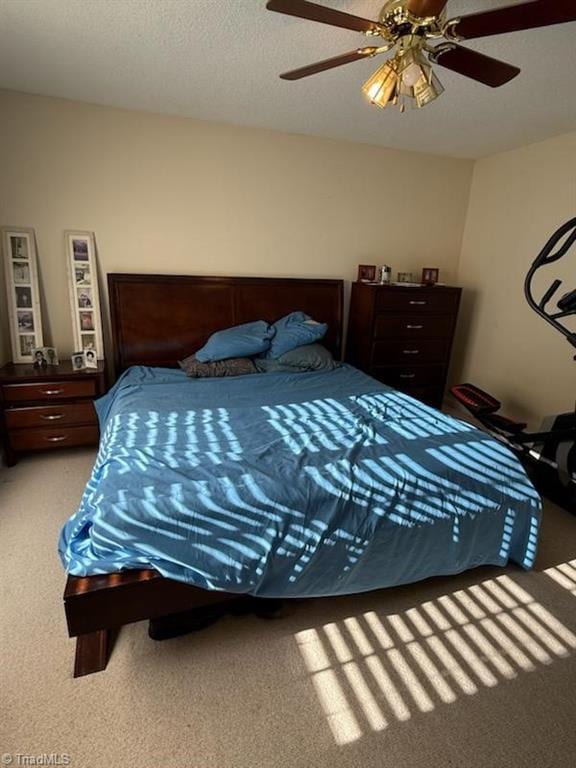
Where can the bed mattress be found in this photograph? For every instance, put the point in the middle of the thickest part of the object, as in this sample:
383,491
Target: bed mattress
293,485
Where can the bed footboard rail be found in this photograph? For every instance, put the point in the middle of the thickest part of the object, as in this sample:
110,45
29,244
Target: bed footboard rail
96,606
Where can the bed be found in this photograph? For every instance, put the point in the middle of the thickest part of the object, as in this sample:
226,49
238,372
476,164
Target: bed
272,485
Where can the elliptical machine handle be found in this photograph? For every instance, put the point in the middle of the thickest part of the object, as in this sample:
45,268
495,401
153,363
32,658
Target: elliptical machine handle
549,293
545,257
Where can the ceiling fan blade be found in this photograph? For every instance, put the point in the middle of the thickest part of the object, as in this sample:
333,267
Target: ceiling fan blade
305,10
512,18
475,65
425,8
336,61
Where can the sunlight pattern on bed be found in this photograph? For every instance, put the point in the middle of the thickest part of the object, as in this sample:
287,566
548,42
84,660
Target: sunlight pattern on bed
293,485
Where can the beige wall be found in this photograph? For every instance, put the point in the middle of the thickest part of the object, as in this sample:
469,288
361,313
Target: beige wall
173,195
518,200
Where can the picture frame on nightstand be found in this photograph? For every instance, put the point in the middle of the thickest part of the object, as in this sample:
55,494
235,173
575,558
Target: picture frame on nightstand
77,361
90,360
44,357
82,269
22,293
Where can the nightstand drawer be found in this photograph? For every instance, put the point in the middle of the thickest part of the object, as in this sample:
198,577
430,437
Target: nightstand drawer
410,327
48,390
407,301
66,414
410,351
42,439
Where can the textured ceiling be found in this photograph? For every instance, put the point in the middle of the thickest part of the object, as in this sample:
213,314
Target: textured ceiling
220,60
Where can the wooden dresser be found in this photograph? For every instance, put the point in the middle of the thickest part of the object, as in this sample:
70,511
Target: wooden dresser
48,408
403,336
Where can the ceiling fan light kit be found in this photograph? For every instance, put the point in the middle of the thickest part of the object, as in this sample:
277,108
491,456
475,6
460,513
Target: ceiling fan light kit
407,75
408,26
381,88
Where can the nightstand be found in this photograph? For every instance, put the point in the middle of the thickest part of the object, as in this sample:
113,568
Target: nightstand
402,336
49,408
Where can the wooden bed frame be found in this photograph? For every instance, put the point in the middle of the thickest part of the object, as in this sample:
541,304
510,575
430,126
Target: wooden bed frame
158,320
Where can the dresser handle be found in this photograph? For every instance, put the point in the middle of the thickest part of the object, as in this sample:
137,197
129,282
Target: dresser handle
407,375
420,303
411,351
57,439
414,327
52,416
51,391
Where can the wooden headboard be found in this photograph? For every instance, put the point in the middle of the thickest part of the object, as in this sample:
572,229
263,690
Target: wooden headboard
160,319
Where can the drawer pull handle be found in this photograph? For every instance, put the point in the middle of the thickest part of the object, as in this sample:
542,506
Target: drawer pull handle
420,303
414,327
56,439
51,391
52,416
407,375
411,351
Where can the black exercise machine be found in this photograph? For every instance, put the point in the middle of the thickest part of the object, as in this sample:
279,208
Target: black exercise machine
550,454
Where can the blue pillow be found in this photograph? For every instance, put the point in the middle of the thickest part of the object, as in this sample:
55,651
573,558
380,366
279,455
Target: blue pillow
294,330
244,340
311,357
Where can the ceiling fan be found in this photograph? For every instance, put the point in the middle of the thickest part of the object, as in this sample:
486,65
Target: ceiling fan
407,27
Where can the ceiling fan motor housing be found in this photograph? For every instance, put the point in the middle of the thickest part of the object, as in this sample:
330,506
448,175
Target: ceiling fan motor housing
397,21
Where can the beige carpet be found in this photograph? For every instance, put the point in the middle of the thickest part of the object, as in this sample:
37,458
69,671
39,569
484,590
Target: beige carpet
473,671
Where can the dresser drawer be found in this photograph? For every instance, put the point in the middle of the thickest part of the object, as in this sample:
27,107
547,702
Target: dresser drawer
46,438
48,390
423,300
409,376
423,382
410,351
409,327
65,414
427,395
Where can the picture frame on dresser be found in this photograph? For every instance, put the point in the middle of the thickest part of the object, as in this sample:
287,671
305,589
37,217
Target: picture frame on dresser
22,292
82,270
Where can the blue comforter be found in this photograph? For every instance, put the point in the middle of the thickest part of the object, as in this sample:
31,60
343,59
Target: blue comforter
293,485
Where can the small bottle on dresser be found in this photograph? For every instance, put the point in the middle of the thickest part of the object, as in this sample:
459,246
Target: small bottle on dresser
385,274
